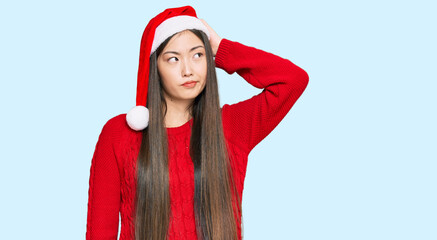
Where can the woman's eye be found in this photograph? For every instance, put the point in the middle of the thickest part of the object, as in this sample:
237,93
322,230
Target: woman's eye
198,55
173,59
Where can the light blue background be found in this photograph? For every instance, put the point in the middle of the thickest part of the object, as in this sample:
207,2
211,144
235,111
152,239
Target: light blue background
354,159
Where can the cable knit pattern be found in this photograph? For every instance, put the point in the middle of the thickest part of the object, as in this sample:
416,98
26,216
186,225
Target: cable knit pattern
113,175
181,181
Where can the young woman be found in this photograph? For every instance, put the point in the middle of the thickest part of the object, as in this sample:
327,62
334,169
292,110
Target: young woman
174,165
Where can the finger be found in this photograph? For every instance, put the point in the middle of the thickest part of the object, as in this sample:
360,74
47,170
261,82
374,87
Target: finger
214,37
210,30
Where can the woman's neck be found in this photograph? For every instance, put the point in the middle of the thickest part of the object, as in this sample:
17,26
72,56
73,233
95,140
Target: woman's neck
177,113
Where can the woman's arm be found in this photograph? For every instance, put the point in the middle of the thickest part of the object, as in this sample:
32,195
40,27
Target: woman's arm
104,189
283,82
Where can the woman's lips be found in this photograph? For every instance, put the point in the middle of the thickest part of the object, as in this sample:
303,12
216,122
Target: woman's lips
189,84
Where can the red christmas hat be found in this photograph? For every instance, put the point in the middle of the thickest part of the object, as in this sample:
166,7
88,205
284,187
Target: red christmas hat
161,27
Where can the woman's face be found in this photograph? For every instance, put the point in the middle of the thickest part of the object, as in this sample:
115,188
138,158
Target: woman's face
182,67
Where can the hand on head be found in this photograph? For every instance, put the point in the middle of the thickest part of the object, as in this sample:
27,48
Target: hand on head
214,38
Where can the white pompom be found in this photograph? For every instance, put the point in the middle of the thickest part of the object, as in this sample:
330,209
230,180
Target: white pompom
138,118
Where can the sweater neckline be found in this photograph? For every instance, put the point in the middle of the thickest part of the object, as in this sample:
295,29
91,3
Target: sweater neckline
180,129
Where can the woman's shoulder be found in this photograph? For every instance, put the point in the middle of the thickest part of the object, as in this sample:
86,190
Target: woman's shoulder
117,126
116,122
117,133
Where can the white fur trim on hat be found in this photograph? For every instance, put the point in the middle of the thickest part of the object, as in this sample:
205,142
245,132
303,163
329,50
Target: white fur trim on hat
174,25
138,118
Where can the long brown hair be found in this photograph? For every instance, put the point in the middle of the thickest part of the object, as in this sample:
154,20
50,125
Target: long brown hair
215,194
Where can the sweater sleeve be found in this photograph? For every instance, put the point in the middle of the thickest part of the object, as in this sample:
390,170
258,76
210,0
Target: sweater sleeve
104,188
250,121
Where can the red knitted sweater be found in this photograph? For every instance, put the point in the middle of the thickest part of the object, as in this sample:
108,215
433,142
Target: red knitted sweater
112,176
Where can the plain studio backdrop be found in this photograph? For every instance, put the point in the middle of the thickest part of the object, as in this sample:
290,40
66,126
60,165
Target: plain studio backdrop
355,158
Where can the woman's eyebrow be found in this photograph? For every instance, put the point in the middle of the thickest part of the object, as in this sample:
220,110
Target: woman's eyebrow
196,47
172,52
177,53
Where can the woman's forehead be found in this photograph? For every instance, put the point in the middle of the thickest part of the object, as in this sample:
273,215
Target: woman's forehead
183,42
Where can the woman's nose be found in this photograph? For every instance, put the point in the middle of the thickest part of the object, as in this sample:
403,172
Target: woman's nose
186,69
